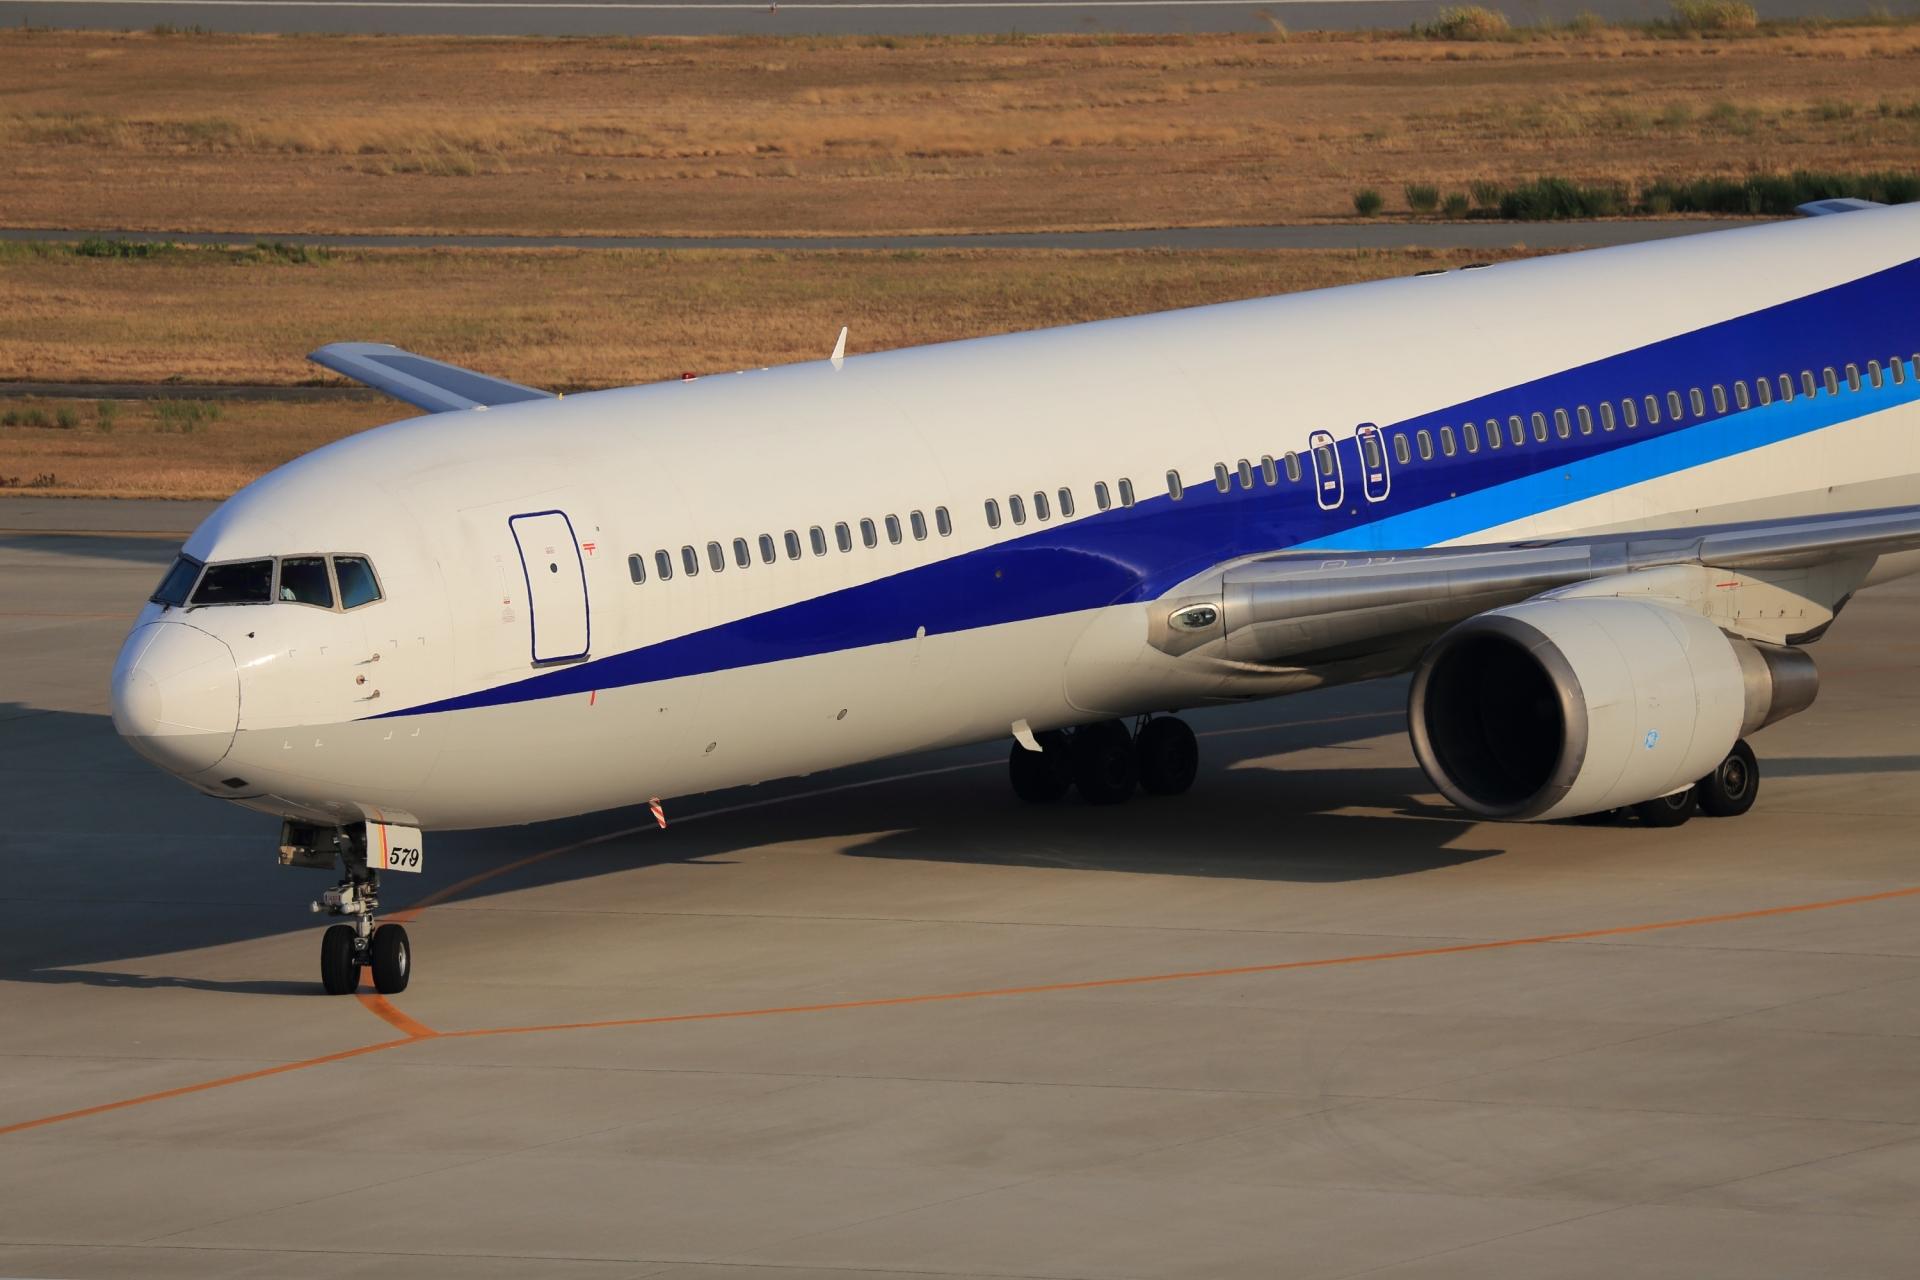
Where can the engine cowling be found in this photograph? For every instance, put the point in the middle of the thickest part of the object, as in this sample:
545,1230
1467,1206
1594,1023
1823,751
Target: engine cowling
1554,708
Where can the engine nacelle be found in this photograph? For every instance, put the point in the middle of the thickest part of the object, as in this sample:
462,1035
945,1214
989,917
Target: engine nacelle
1554,708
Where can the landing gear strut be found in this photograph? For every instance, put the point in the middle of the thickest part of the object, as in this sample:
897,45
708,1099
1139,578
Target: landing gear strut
1106,763
345,947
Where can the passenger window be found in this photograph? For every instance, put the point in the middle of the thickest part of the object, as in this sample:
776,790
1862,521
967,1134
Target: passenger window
942,521
1246,474
1698,402
1066,503
1831,379
792,538
1221,479
1586,421
1562,425
1402,454
1607,421
1494,440
1041,510
1898,369
1126,492
1540,426
918,523
1653,412
716,556
993,514
1764,390
244,582
1100,498
662,565
1516,429
869,535
1446,441
1853,377
303,580
1017,508
1741,400
1786,387
1269,475
1719,398
817,538
1323,460
174,588
1808,387
1174,489
358,586
1471,434
1370,451
637,568
768,552
742,553
1425,441
843,536
1293,467
1873,374
893,530
690,561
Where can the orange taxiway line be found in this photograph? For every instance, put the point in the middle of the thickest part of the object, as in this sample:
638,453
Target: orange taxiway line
1189,975
418,1032
205,1085
412,1028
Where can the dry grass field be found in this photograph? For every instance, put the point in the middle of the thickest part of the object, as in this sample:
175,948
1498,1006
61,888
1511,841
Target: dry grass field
292,134
562,319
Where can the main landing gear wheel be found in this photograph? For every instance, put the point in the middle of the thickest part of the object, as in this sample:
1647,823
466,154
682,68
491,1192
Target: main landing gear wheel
392,959
340,960
1169,756
1731,789
1105,766
1041,777
1667,811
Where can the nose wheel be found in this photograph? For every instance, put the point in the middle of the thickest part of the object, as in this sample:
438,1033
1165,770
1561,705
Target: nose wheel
346,948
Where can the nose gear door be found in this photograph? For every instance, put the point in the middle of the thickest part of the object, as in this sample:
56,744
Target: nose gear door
559,618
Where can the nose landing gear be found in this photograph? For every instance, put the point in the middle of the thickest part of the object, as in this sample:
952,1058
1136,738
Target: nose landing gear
344,948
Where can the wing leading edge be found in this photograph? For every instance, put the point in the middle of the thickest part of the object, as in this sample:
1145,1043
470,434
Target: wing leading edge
433,385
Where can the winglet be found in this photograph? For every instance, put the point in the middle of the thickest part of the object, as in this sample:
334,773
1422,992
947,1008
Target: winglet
432,385
839,348
1839,204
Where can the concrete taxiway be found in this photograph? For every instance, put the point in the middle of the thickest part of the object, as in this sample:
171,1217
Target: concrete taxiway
1303,1022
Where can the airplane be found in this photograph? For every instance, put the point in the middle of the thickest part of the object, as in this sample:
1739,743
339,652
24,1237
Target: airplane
1598,504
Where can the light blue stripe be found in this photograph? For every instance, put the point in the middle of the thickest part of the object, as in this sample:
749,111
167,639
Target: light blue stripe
1651,458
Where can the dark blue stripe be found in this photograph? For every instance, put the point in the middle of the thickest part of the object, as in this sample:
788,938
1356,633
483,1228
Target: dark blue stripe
1138,553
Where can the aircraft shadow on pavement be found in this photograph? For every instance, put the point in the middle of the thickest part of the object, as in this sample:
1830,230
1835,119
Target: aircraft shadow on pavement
148,869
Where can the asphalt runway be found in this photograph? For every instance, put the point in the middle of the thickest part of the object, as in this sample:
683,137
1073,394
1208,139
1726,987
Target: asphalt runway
1304,1022
1347,235
818,17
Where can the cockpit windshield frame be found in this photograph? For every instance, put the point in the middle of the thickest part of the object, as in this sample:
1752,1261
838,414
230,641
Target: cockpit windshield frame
188,601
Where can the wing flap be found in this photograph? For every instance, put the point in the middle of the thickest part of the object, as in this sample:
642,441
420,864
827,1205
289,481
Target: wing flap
433,385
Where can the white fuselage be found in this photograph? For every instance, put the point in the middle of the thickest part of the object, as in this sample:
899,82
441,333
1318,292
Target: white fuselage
439,703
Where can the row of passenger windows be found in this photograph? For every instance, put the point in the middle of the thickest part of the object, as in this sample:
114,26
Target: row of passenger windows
769,549
1104,498
1561,423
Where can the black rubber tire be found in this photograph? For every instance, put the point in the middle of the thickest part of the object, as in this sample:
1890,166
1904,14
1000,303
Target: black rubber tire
392,959
339,967
1667,811
1043,776
1105,766
1731,789
1169,756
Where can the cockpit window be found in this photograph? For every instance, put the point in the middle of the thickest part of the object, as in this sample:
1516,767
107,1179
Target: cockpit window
241,582
179,581
357,583
303,580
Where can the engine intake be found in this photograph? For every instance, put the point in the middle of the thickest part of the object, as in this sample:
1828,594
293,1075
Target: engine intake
1554,708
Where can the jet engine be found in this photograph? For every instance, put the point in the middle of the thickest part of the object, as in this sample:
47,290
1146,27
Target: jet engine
1553,708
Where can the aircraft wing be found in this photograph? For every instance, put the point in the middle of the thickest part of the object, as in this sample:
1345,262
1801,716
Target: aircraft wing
427,384
1778,580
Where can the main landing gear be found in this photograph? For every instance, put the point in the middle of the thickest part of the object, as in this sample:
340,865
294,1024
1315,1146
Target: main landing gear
1727,792
1106,763
358,941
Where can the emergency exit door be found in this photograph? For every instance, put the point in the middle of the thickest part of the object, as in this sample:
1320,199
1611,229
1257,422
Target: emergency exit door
558,621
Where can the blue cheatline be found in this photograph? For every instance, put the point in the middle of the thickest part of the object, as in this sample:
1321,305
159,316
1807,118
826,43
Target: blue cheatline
1138,553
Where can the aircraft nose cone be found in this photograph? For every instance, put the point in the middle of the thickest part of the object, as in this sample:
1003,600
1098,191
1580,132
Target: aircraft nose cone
176,696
